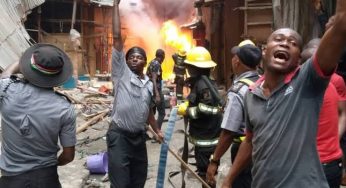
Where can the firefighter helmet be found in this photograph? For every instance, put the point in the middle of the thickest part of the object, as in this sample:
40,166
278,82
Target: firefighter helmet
199,57
182,52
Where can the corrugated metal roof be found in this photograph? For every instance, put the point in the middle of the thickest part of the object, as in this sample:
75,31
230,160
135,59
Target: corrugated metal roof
13,37
103,2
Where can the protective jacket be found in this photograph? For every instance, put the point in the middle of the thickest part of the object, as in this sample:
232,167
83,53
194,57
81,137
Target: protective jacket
204,112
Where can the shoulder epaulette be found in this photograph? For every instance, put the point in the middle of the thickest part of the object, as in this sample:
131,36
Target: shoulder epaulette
246,81
64,96
238,85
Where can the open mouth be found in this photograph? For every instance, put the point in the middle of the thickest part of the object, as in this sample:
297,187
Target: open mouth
281,55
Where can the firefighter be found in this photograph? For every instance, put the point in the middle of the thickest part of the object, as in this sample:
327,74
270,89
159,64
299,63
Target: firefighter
202,108
180,72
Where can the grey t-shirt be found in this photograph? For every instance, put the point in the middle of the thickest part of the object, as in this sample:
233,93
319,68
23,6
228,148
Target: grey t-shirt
132,96
33,120
284,129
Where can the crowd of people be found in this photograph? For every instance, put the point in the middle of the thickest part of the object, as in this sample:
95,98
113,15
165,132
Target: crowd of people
284,126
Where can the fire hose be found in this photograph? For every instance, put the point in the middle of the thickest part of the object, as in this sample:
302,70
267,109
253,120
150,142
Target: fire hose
165,147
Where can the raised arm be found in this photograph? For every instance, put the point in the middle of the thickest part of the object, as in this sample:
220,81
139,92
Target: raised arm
118,59
334,41
117,39
11,69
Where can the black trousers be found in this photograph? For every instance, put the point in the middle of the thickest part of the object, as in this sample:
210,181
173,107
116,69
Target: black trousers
244,179
179,81
202,156
128,160
39,178
333,172
161,110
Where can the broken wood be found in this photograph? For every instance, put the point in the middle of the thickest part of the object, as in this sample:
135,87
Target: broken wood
92,91
98,101
72,99
88,116
92,121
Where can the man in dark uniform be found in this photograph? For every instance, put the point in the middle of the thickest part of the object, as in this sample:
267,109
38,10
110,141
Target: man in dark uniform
35,119
204,112
155,74
127,152
244,62
180,72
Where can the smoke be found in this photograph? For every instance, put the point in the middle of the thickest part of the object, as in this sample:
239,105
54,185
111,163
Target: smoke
143,19
178,10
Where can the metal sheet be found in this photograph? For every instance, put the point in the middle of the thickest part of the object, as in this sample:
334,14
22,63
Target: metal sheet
103,2
13,37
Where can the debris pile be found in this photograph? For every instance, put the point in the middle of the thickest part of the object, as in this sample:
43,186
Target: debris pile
93,103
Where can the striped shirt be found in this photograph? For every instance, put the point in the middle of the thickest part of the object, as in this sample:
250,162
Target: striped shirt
132,96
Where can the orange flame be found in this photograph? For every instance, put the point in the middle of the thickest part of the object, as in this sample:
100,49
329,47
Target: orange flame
179,41
173,37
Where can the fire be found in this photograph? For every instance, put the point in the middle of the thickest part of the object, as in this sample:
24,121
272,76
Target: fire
177,41
175,38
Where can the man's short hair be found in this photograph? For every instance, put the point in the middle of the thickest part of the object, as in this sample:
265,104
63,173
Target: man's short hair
159,53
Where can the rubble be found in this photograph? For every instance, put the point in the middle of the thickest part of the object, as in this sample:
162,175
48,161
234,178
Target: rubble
92,109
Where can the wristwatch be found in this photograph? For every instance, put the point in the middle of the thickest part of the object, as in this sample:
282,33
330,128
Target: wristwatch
213,160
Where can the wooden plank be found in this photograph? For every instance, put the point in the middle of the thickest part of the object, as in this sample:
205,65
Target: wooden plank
259,23
259,4
91,121
254,8
233,29
257,1
260,33
208,3
260,15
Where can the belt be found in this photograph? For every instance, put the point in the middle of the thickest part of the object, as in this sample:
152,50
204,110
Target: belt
334,162
198,142
180,76
116,128
239,139
179,66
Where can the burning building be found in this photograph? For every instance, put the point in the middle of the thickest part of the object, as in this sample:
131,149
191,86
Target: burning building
143,22
83,27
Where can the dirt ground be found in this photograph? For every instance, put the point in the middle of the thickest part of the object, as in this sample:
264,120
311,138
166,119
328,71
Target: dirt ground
93,140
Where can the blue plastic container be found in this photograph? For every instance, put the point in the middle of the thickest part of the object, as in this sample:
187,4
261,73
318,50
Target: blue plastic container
84,78
70,83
